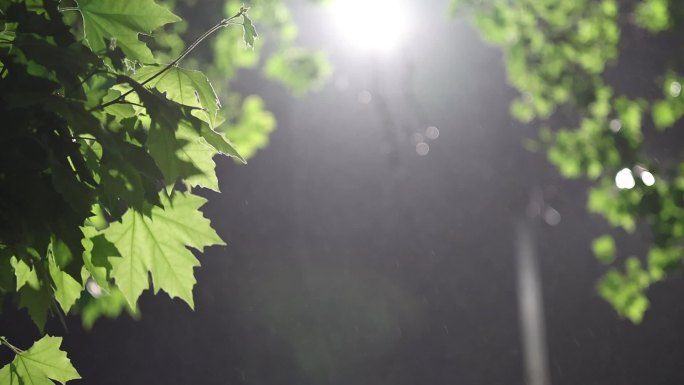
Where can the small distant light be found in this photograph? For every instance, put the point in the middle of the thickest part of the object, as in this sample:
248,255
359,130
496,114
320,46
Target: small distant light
648,178
417,138
432,132
624,179
93,288
615,125
365,97
422,148
552,217
675,89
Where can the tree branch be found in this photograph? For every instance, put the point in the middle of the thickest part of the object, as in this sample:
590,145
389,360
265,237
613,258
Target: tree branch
223,23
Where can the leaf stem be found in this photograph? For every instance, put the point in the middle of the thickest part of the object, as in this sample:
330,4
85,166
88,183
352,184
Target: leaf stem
15,349
65,9
223,23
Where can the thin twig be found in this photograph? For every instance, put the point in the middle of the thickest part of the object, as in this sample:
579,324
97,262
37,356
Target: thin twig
15,349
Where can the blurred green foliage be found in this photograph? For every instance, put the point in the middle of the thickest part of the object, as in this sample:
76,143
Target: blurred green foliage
653,15
556,54
299,69
604,249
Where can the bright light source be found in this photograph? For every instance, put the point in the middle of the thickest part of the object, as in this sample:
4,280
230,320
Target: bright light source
624,179
372,24
647,178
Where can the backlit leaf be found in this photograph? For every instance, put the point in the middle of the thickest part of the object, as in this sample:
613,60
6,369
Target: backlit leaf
40,364
250,33
123,21
156,244
187,87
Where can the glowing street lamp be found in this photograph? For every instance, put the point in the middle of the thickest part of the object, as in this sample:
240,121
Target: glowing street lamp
377,25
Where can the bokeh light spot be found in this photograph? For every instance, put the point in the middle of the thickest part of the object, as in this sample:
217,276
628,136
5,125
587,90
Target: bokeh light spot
432,132
647,178
422,148
624,179
93,288
615,125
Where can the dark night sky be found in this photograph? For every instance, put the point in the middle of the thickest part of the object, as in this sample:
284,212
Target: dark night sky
352,260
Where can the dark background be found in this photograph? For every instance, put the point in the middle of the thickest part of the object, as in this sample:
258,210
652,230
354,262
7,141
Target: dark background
353,260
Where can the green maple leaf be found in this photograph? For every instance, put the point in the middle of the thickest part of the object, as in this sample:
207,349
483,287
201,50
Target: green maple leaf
67,290
250,33
43,362
25,274
123,21
221,143
156,243
200,154
183,154
128,173
193,89
96,254
37,302
187,87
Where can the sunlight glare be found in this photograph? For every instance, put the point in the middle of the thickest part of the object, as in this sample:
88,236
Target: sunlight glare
372,24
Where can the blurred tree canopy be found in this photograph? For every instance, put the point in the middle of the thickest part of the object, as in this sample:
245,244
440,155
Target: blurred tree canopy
557,54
